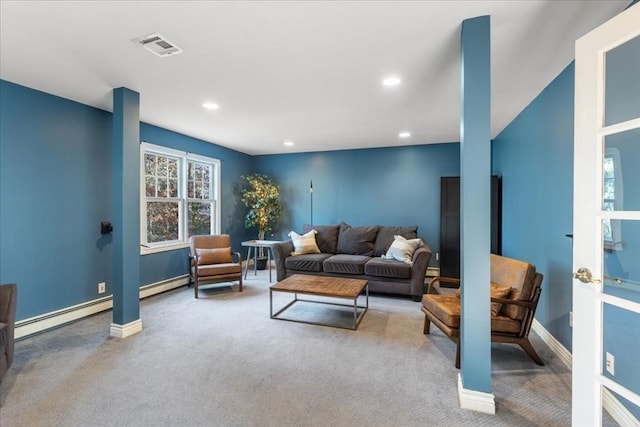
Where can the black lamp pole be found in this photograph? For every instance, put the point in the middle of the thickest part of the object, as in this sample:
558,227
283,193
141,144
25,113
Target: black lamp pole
311,193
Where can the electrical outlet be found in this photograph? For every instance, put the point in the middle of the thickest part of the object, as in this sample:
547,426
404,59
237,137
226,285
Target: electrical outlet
611,368
102,287
571,319
437,256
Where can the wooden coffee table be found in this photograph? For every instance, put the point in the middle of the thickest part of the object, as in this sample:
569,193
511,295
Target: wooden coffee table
332,287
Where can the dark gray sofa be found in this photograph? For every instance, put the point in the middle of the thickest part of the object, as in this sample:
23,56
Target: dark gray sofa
355,252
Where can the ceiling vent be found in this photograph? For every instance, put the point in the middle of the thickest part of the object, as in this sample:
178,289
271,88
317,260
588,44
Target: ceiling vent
157,44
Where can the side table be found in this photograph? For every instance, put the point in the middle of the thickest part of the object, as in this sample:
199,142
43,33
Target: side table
255,244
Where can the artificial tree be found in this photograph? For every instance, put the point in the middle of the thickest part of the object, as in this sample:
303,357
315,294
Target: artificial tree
262,197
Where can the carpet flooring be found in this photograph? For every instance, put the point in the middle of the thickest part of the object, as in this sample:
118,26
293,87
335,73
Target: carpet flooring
221,361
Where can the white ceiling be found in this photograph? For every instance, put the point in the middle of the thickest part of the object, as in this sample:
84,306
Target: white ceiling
307,71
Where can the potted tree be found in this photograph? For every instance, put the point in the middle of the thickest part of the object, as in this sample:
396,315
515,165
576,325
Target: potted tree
262,197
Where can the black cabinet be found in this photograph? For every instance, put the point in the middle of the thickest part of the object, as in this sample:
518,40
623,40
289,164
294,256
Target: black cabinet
450,223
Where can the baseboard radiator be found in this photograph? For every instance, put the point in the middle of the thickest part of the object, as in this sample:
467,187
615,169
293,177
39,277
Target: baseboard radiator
54,319
609,402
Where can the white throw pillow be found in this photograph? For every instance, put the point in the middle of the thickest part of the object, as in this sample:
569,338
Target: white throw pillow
304,244
402,249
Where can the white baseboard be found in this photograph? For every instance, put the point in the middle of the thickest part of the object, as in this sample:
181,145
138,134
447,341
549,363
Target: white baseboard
41,323
561,351
124,331
609,402
476,400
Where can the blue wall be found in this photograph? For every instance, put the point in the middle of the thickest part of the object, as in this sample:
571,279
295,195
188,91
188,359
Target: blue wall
534,155
387,186
56,188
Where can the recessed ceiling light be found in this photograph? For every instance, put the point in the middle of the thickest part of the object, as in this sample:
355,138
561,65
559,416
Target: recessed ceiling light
210,105
288,143
404,134
391,81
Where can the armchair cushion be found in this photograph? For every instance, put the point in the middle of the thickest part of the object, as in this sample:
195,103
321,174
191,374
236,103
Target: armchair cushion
218,269
497,291
446,309
213,256
515,273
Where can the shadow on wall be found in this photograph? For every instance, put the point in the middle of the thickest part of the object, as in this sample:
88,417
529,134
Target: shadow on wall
235,219
283,227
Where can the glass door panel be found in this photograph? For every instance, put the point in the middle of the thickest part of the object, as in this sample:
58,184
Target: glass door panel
622,82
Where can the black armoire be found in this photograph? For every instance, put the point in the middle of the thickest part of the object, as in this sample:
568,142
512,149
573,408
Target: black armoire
450,223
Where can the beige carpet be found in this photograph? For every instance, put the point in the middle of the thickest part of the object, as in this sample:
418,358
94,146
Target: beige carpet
221,361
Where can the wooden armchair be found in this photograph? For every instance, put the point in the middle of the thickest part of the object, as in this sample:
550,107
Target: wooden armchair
212,260
515,290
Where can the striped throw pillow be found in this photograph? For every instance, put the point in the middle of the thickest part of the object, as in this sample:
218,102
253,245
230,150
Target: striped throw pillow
304,244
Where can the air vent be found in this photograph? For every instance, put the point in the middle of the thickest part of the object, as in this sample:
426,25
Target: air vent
158,45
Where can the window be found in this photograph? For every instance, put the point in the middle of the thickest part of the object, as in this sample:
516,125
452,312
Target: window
179,197
611,198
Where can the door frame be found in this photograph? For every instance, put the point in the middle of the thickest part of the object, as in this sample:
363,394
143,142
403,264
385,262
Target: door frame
588,298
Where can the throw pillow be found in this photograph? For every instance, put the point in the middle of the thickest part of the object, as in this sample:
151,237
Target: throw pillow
357,240
385,237
304,244
214,256
497,291
402,249
327,237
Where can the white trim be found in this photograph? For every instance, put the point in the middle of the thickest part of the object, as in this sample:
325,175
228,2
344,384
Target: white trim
163,286
476,400
55,318
124,331
609,402
144,250
183,157
556,346
617,410
43,322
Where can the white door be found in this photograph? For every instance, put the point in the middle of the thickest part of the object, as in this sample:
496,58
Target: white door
606,218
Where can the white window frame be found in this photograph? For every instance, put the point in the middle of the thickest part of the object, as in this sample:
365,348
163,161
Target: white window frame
183,159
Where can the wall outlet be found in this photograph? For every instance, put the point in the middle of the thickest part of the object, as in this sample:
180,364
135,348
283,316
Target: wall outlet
102,287
437,256
611,368
571,319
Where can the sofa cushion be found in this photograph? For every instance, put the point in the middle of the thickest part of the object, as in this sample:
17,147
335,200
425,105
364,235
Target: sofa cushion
308,262
326,237
402,249
386,234
387,268
345,264
357,240
304,244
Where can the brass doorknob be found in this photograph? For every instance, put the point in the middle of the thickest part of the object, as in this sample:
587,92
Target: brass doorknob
584,275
